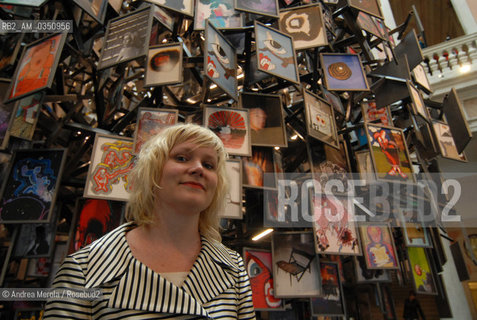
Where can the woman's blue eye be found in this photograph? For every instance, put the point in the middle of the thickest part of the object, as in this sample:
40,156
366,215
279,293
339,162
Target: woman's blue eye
209,166
181,158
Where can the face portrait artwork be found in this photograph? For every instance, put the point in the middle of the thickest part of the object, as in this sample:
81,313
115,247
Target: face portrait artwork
259,268
220,61
275,53
378,245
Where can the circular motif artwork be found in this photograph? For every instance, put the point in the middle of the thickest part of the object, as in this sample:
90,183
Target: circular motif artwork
340,71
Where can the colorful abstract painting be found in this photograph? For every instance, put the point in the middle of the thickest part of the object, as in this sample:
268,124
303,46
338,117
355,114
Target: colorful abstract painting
111,161
421,271
378,246
151,121
330,302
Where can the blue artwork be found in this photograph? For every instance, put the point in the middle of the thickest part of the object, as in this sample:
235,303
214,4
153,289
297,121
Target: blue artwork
221,61
31,186
275,53
343,72
221,13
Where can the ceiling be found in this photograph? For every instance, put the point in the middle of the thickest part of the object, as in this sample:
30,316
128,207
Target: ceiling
438,18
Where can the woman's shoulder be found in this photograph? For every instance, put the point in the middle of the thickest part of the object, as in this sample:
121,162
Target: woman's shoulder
221,253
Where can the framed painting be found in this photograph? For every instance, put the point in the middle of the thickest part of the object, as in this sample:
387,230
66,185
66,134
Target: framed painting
320,119
266,119
38,267
258,170
30,3
220,60
365,275
94,8
93,219
6,110
151,121
331,302
414,229
111,161
420,78
369,6
30,190
164,18
378,246
275,53
391,160
333,225
343,72
418,106
258,263
446,142
182,6
231,125
25,116
368,23
164,65
127,38
329,168
371,113
221,13
37,67
296,270
334,100
306,26
263,7
233,206
35,240
422,276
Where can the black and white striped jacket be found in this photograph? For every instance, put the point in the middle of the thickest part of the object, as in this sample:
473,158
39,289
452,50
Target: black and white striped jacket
217,286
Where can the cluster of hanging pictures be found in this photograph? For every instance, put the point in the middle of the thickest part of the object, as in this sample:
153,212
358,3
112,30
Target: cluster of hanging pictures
249,131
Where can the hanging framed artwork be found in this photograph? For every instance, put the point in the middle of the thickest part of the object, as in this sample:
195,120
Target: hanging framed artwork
364,165
331,302
266,119
446,142
221,13
233,206
368,23
94,8
164,65
111,161
93,219
418,106
29,191
343,72
320,119
296,270
371,113
258,263
25,116
38,267
220,60
457,120
422,276
37,66
333,225
258,170
11,44
127,38
35,240
334,100
369,6
231,125
387,302
275,53
164,18
414,229
265,8
420,78
151,121
378,246
306,26
182,6
391,160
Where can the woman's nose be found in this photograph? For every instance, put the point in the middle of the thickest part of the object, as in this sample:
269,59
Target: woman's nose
196,167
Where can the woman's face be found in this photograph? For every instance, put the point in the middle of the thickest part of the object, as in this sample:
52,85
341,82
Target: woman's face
189,177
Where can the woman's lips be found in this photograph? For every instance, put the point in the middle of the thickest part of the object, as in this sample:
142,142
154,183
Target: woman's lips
194,185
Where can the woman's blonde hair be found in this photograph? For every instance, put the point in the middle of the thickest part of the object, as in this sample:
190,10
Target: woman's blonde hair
147,172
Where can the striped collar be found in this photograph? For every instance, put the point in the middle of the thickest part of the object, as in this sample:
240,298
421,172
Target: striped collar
110,258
